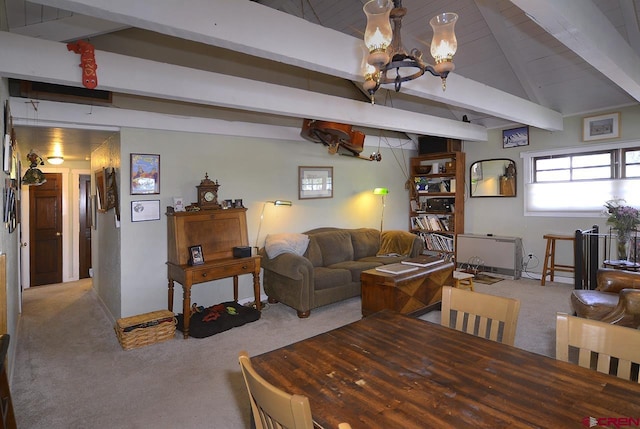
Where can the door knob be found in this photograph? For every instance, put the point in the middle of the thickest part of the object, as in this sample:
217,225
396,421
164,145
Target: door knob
58,234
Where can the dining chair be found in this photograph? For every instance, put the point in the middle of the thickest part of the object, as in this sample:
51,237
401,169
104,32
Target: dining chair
607,348
483,315
272,407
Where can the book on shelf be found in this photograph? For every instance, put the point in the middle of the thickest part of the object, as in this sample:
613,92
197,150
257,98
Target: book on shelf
396,268
423,261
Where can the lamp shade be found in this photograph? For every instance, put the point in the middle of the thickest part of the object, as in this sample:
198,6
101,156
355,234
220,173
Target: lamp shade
381,191
282,203
378,34
444,43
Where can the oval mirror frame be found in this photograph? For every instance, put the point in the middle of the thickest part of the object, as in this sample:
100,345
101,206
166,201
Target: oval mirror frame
493,178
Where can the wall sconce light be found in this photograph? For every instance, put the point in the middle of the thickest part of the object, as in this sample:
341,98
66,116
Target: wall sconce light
55,160
382,192
275,203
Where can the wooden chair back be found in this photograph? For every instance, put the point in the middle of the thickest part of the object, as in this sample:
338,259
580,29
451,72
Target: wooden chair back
488,316
593,344
272,407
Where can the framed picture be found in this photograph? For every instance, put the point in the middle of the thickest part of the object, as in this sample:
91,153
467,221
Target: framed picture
8,153
601,127
145,174
195,255
515,137
101,190
142,211
315,182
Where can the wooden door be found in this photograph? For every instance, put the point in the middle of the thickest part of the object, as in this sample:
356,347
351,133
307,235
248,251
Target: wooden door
45,231
85,226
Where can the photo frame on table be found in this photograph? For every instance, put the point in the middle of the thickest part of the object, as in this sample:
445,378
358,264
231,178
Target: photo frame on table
601,127
195,255
315,182
142,211
145,174
515,137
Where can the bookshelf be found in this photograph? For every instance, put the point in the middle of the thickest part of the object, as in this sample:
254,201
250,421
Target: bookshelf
436,211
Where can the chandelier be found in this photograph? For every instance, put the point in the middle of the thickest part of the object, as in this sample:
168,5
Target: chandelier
388,61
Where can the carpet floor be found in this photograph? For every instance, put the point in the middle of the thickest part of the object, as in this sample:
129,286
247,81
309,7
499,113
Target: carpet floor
70,371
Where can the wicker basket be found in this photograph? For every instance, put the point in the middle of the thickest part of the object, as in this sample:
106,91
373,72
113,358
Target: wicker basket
144,329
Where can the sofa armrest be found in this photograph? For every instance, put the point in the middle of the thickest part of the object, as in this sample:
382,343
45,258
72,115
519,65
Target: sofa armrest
610,280
288,265
627,312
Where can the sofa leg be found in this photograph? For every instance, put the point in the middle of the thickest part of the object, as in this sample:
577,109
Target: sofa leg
272,300
304,314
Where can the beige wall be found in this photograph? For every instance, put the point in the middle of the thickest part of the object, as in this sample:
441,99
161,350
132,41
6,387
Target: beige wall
505,216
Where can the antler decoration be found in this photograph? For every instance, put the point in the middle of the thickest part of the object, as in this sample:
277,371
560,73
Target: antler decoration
87,62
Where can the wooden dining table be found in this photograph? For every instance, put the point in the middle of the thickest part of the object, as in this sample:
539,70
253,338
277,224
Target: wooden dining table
394,371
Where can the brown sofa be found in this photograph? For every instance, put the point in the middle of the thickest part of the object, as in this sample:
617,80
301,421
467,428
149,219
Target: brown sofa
616,298
329,270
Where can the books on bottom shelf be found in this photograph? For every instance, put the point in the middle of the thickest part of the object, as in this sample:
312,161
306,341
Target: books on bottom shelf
438,242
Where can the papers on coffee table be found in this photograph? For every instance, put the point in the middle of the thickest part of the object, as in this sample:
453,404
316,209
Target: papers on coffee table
423,261
396,268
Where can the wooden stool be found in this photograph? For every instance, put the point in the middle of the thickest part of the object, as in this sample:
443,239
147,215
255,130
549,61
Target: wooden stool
463,280
550,266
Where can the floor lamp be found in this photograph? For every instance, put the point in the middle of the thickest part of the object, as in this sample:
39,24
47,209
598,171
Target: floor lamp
382,192
275,203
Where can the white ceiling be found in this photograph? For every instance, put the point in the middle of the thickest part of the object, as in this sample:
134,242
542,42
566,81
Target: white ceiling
518,62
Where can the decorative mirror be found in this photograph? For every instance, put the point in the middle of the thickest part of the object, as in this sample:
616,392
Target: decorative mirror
493,178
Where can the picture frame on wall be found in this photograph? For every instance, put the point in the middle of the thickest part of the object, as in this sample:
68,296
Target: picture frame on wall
101,190
515,137
315,182
142,211
601,127
145,174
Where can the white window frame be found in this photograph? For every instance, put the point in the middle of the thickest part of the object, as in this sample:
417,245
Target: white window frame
583,198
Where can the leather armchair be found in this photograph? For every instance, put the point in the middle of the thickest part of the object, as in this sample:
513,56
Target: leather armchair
615,300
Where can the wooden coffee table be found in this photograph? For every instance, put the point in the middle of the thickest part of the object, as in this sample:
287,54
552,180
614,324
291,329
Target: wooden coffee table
416,292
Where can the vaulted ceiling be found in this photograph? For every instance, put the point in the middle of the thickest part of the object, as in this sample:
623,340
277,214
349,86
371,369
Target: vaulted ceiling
518,61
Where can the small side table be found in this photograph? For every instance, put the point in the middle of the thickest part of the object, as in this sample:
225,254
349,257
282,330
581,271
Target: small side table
463,280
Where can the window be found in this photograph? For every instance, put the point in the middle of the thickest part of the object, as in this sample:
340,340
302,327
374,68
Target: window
577,181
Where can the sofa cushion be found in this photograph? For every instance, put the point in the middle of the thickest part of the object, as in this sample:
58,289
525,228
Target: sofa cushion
313,254
365,241
326,278
335,246
593,304
356,267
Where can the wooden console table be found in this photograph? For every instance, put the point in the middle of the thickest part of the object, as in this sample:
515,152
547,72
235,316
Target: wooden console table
218,232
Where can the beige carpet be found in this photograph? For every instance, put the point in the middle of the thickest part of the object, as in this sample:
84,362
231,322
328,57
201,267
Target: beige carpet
72,373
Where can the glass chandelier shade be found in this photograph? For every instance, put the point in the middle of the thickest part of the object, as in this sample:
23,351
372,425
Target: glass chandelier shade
378,34
392,62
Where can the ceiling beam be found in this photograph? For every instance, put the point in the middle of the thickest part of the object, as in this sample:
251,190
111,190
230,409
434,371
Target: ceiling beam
630,17
69,29
46,61
254,29
584,29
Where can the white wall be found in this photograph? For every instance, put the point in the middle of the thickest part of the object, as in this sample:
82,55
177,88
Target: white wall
505,216
255,170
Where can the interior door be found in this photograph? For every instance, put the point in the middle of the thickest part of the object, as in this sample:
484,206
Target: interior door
45,231
85,226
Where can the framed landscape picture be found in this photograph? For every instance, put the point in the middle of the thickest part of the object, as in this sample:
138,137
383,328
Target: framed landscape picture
315,182
601,127
515,137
